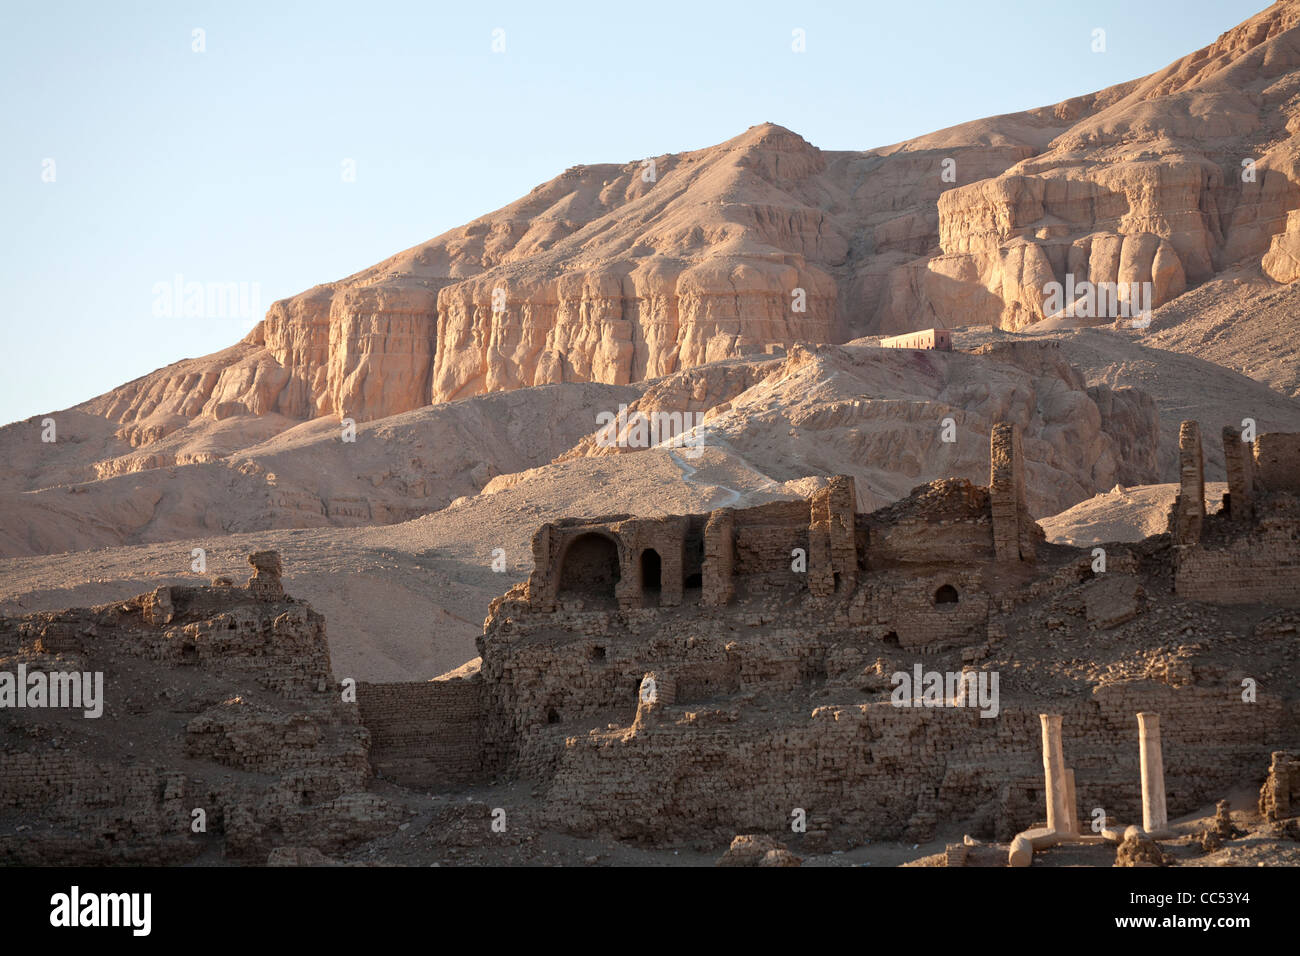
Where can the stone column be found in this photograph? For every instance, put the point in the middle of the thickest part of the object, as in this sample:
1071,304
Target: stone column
1153,774
1054,771
1071,803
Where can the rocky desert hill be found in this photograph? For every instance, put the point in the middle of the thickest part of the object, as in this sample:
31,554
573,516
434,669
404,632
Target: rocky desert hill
621,272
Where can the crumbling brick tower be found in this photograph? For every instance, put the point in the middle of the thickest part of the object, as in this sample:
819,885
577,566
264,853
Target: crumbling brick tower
832,549
1013,535
1239,456
1189,507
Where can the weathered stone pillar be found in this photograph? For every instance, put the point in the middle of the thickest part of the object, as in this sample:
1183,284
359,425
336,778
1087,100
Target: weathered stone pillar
1054,772
1071,803
1154,819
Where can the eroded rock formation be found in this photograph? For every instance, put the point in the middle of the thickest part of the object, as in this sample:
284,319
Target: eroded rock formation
621,272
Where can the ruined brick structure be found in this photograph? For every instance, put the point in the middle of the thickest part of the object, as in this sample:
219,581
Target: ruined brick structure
771,634
1279,798
690,677
216,699
1247,553
425,732
946,529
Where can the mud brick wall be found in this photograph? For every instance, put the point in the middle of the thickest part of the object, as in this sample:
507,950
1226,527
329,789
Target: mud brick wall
93,812
1261,569
906,606
667,538
765,537
949,523
237,735
288,652
280,758
707,679
879,771
29,778
565,563
256,629
554,674
719,558
425,733
1277,462
1239,461
832,540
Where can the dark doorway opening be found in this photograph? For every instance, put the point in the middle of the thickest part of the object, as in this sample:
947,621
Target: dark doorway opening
590,568
651,575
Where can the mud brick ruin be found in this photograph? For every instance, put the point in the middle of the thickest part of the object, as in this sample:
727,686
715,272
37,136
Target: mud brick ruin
217,699
1246,553
696,676
685,678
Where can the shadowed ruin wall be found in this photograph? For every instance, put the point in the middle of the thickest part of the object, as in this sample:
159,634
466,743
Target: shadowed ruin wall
1247,553
766,536
1277,462
1260,570
425,734
214,698
878,771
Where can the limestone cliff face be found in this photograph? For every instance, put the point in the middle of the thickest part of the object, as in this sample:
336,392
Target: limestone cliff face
616,273
1167,181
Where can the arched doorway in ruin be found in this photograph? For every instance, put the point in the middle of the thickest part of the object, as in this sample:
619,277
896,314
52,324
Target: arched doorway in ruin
947,594
589,568
651,576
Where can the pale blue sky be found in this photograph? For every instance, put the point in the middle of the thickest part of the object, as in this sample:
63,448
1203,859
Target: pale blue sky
225,165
